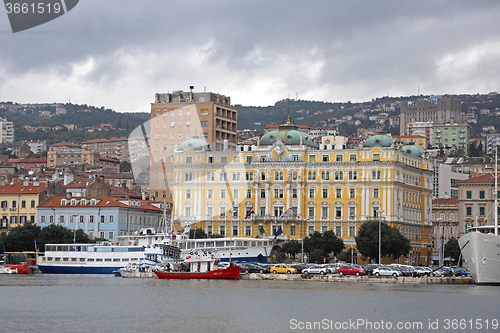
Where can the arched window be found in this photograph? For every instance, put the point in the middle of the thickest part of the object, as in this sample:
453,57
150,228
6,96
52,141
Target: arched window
353,175
294,175
325,175
188,177
263,175
339,175
223,177
278,175
311,175
210,177
376,174
236,176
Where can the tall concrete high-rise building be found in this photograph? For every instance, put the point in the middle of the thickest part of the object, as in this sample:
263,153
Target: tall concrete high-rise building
435,110
180,116
6,131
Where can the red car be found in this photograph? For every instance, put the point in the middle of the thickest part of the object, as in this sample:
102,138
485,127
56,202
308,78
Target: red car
351,270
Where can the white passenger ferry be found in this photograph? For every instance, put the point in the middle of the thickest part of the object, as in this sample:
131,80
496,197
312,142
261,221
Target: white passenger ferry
145,248
239,249
148,247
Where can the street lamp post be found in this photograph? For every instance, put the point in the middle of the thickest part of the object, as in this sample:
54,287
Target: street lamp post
74,229
380,236
302,239
439,244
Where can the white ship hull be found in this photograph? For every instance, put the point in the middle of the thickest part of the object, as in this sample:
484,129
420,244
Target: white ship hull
242,249
481,253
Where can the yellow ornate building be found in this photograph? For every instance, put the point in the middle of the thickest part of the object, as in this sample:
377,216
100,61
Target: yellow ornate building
290,182
19,202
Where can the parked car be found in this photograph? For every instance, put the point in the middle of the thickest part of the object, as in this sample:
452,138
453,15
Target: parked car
461,271
386,271
407,270
351,270
315,269
253,268
299,267
403,272
332,268
369,268
281,268
422,270
222,265
442,271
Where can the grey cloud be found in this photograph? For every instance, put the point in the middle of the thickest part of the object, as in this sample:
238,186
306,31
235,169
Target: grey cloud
362,44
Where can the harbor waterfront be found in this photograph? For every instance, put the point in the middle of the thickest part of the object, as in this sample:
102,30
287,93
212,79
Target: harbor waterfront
335,278
102,303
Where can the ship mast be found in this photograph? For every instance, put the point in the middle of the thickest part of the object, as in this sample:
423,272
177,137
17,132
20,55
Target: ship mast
496,192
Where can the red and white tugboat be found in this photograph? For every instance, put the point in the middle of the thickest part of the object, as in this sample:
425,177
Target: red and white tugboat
202,266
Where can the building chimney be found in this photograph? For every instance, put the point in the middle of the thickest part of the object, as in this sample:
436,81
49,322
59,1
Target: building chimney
68,178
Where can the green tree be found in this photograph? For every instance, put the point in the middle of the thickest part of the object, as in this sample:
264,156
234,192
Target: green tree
458,153
393,244
217,236
320,245
346,255
452,249
125,166
22,238
61,234
291,248
197,233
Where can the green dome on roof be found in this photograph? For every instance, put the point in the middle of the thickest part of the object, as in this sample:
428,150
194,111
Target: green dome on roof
414,150
289,137
289,134
194,144
379,139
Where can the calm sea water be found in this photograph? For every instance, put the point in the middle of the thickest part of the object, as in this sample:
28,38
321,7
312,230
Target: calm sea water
94,303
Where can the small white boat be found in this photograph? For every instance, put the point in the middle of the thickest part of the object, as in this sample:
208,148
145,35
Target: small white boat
133,268
6,270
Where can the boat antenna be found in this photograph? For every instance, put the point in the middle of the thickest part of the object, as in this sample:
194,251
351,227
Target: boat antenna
231,211
496,192
4,252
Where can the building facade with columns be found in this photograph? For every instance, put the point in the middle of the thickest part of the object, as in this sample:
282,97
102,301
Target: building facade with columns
288,181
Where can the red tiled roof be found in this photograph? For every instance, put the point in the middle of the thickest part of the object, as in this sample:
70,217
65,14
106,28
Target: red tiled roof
19,188
28,160
103,202
118,191
106,140
486,178
79,182
65,144
108,159
445,201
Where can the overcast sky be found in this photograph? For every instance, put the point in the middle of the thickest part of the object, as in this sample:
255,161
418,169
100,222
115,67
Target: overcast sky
119,53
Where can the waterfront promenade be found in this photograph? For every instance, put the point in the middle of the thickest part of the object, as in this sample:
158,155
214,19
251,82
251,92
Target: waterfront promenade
337,278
